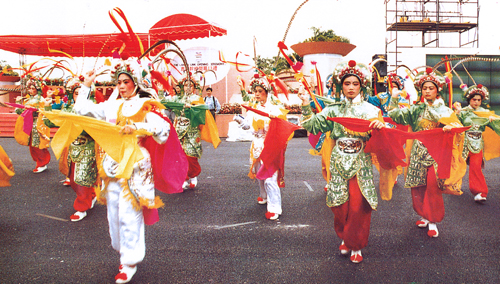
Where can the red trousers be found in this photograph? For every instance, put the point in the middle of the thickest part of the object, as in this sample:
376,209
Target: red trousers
352,219
428,199
477,182
194,168
84,194
40,156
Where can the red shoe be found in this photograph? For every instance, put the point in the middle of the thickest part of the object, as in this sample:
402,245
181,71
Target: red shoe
261,200
272,216
480,197
433,230
343,248
40,169
356,256
77,216
422,223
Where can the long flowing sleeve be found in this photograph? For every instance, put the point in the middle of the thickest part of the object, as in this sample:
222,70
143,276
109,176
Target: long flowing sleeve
84,106
316,123
156,125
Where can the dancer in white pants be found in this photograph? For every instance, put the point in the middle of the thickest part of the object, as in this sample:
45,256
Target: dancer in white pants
129,201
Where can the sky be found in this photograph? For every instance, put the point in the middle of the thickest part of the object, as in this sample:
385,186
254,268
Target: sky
362,21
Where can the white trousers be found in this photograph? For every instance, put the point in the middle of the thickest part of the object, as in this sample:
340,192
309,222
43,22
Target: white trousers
126,226
269,189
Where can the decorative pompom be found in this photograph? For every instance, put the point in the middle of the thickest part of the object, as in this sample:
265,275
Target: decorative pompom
463,87
256,75
81,78
447,80
428,70
480,86
352,63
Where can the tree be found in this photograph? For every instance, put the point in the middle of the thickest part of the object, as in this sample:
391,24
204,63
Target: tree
268,64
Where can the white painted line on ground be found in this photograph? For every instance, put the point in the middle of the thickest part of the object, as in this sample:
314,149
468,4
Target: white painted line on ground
308,186
235,225
51,217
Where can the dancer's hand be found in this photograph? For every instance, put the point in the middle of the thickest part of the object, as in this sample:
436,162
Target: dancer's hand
377,124
128,129
89,78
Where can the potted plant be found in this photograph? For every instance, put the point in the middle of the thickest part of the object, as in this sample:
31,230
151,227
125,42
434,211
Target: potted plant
324,42
7,74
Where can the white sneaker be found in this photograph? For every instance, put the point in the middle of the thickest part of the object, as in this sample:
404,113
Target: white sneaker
356,256
77,216
185,185
193,182
422,223
126,274
261,200
272,216
93,202
40,169
343,248
479,197
433,230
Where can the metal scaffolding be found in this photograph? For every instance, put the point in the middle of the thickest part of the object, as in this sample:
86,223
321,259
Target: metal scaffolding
432,19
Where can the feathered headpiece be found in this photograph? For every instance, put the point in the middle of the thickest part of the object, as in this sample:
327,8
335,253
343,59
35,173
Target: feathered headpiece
360,70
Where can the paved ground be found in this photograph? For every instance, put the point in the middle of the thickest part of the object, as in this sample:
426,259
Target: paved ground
218,234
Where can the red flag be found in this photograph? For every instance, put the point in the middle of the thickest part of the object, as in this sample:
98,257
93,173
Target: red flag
387,143
275,143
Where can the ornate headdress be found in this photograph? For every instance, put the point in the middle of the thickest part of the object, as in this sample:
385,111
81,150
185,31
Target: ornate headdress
129,67
36,82
260,81
73,84
396,80
430,75
193,81
138,74
479,89
360,70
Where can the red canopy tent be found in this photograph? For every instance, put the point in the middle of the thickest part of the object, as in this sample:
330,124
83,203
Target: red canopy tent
185,26
174,27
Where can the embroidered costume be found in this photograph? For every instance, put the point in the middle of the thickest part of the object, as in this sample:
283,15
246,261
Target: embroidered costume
128,187
6,168
426,187
350,190
268,105
193,123
31,131
79,163
476,137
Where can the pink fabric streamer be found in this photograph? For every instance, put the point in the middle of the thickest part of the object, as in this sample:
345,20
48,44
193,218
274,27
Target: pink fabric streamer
27,116
169,162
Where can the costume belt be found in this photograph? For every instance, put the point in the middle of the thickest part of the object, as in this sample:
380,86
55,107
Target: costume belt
350,145
475,135
81,140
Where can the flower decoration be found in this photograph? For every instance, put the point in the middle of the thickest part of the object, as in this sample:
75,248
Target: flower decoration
230,108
